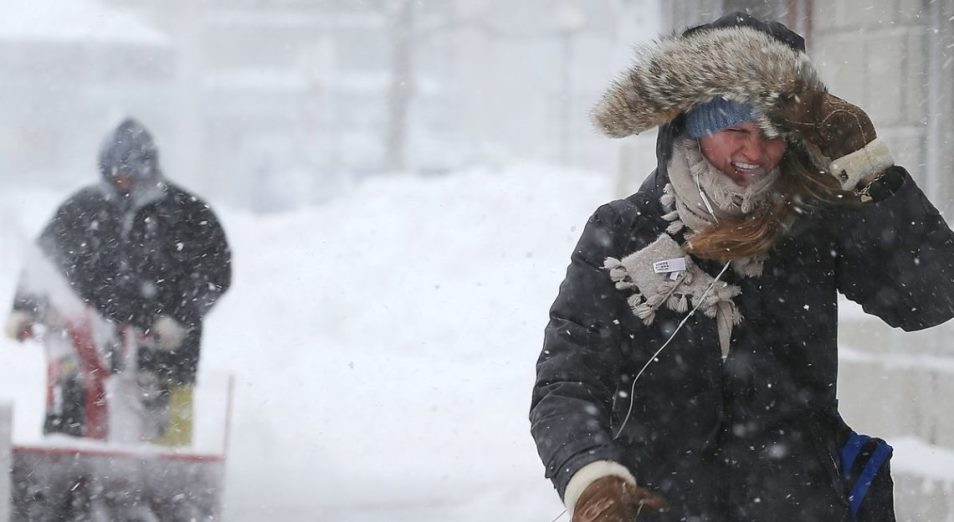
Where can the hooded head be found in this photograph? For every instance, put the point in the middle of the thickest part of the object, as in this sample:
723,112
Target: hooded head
128,157
737,71
738,58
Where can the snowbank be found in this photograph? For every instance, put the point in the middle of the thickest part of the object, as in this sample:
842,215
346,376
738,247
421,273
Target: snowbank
383,345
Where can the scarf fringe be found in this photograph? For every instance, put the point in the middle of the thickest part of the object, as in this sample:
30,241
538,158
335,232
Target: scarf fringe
667,294
746,266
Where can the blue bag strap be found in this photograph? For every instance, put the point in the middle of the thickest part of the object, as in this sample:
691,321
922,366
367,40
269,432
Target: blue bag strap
851,450
860,489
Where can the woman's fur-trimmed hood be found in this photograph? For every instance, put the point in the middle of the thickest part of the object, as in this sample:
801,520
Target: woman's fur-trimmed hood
740,62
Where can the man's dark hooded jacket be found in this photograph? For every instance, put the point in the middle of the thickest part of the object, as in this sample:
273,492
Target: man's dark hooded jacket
756,437
155,251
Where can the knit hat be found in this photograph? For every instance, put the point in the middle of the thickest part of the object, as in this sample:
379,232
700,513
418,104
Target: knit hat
715,115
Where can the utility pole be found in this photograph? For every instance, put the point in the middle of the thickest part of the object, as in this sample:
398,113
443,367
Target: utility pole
402,84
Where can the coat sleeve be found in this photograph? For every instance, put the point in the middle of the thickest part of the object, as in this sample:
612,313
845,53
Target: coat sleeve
202,266
66,242
896,257
576,371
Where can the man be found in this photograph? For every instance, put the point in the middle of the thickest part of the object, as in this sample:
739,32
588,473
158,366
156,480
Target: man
150,259
689,367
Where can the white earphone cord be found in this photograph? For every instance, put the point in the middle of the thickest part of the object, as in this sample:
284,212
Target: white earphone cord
632,391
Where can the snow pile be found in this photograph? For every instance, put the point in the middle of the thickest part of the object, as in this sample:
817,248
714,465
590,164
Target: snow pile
922,459
383,345
389,338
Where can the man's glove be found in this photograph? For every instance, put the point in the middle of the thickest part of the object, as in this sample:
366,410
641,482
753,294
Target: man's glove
841,134
613,499
168,333
19,325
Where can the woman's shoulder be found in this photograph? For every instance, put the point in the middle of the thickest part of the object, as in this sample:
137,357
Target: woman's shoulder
622,223
634,208
639,208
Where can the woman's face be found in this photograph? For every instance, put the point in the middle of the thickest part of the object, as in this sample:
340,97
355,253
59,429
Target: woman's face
743,152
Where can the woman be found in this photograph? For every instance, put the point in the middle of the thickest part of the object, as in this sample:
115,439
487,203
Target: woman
690,363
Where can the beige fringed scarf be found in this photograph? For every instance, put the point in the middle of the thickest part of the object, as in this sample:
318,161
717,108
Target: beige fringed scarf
685,207
678,291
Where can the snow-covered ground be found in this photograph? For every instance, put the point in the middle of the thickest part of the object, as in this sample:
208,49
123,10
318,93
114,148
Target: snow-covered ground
383,346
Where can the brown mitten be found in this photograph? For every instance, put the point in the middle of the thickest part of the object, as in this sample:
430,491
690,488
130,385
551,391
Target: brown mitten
613,499
840,135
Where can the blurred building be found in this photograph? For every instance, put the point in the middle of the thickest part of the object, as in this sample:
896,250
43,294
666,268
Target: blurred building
68,70
278,100
299,89
895,60
274,103
526,74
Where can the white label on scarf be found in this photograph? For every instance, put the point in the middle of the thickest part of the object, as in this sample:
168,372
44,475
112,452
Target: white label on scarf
677,264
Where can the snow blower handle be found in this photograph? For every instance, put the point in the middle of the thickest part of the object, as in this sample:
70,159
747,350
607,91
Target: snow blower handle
19,325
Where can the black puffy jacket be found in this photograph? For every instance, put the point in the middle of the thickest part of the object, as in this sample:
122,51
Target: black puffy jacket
758,436
133,263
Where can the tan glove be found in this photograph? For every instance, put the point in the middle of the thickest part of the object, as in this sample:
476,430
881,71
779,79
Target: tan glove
840,136
169,333
613,499
19,325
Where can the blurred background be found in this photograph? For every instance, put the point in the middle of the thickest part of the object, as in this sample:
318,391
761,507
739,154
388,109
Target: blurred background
402,182
314,93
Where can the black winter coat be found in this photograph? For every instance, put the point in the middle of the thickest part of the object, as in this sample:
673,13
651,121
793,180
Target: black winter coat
166,256
756,437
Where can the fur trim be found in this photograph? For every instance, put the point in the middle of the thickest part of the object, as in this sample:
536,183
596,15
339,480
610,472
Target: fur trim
589,474
875,157
671,75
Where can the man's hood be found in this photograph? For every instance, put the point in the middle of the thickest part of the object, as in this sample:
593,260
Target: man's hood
129,149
